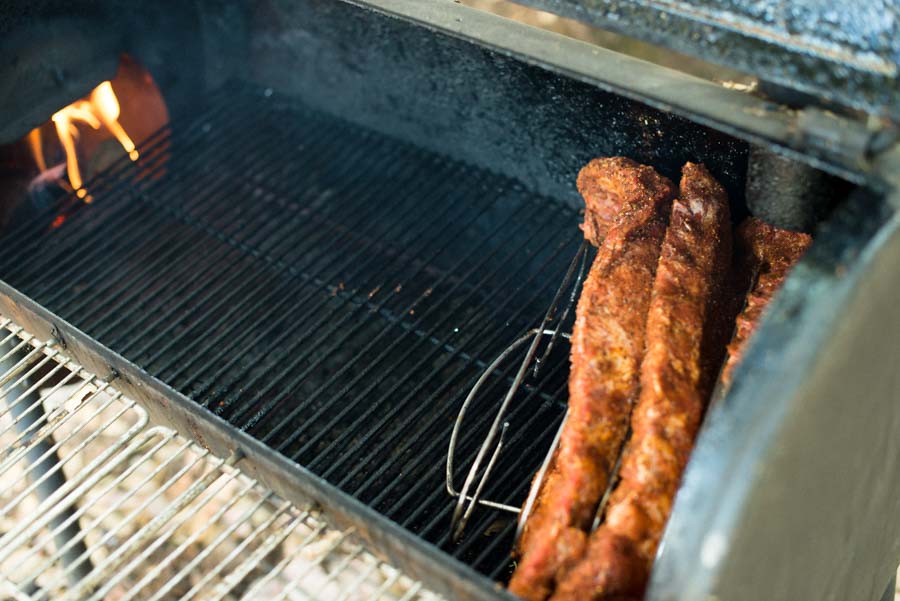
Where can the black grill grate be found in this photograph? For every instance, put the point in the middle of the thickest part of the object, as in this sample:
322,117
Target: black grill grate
331,291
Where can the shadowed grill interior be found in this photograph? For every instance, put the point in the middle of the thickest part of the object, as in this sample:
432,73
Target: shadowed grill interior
331,291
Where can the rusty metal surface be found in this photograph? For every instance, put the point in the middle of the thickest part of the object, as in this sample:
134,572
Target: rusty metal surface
846,53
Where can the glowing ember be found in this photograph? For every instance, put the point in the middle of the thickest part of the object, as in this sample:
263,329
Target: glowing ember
100,109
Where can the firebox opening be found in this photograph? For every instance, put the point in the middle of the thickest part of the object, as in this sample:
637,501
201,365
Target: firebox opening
82,139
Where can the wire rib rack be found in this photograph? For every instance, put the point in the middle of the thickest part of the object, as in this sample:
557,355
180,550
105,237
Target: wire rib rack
98,503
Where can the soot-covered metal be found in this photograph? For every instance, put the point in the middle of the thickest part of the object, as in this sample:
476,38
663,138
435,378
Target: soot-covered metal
847,54
331,275
471,102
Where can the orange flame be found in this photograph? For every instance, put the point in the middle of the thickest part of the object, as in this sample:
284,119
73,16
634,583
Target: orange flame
104,100
101,108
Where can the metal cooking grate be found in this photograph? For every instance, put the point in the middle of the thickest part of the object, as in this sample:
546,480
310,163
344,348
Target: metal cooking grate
332,291
145,514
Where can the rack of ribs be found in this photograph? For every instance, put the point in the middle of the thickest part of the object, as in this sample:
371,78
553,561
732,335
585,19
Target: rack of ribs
651,328
767,254
607,346
675,382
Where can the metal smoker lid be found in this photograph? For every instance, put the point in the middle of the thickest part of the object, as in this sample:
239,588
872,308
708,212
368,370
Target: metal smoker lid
844,52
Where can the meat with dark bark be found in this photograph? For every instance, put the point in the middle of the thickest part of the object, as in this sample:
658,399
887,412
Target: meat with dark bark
607,346
605,184
675,382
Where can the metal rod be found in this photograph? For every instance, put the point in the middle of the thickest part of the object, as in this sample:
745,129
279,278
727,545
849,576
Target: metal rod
225,367
91,261
461,512
419,236
126,472
120,555
338,540
532,415
539,479
206,200
255,326
253,559
142,544
440,354
285,242
76,212
73,489
437,419
162,439
314,533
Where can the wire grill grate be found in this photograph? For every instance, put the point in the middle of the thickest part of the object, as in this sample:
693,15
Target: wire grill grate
149,515
331,291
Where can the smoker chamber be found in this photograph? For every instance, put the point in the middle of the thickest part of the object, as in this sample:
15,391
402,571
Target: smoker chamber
358,205
328,290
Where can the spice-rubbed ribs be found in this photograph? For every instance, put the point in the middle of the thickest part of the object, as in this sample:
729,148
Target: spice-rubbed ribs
767,254
675,380
605,184
607,346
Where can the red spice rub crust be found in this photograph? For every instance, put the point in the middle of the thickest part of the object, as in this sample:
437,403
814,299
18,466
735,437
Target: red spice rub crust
606,184
675,382
607,346
767,255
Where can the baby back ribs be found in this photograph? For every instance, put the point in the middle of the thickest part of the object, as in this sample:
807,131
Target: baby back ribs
604,184
607,346
675,381
767,254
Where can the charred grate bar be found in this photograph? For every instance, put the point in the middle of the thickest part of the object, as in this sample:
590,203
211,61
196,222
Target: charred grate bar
331,291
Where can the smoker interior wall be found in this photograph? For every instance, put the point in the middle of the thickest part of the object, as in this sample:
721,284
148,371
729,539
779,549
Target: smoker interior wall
849,55
56,51
52,53
429,88
454,97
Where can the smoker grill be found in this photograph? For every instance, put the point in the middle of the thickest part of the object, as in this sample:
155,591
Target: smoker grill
357,206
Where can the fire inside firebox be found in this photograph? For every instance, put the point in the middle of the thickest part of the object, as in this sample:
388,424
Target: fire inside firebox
88,135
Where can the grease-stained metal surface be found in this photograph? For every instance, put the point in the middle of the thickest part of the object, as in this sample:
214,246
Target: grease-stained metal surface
847,53
475,103
333,293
